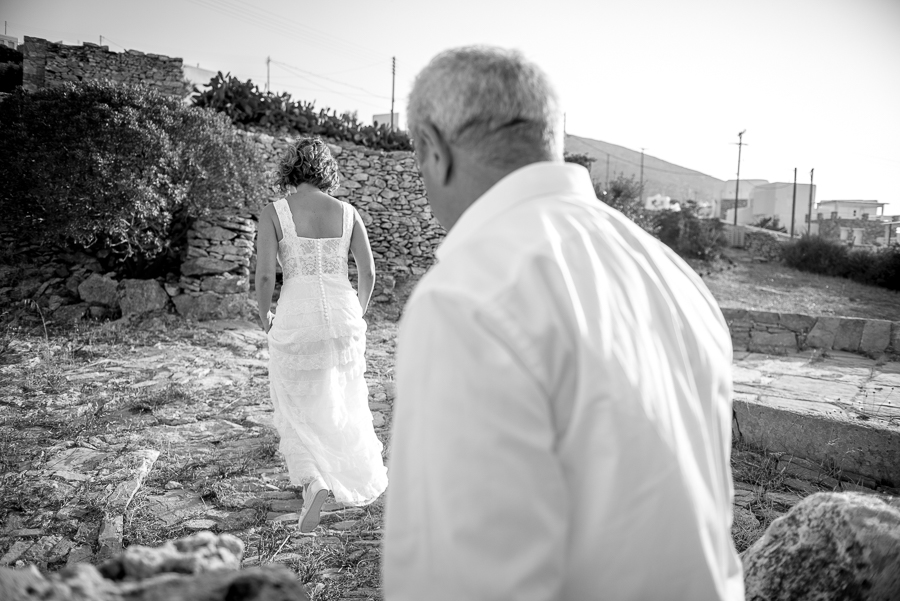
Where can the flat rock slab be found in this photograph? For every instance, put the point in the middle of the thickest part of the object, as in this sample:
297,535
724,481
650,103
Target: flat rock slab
841,411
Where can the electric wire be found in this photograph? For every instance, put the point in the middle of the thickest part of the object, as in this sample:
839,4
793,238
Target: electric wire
279,27
250,8
373,94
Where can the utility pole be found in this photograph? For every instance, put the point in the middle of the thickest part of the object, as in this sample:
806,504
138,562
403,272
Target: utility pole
737,184
4,28
393,80
642,176
101,40
794,203
607,171
809,219
268,61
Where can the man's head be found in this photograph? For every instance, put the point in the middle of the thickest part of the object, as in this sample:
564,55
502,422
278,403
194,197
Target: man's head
475,115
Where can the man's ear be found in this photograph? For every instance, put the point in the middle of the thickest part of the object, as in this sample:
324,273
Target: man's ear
436,153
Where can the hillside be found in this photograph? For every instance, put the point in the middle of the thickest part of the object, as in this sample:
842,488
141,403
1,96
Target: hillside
660,177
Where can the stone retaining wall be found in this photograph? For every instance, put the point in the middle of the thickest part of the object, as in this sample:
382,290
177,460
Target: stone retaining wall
48,64
764,245
215,276
387,191
779,333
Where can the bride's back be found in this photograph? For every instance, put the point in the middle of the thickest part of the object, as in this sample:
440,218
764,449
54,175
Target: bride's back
316,215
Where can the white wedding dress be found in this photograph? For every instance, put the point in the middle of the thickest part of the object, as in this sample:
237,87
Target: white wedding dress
317,346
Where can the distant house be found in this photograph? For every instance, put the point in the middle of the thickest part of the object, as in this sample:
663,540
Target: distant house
856,222
9,41
776,199
851,209
658,202
385,120
198,76
744,200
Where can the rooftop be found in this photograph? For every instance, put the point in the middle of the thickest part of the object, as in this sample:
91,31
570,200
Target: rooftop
854,202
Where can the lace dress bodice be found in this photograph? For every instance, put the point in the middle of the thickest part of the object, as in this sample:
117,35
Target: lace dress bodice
310,257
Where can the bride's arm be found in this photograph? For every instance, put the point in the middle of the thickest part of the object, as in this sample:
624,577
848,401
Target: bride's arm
266,251
365,264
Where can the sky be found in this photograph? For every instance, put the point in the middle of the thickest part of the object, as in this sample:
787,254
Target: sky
815,83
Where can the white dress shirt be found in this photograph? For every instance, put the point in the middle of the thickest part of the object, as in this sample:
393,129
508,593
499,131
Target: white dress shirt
562,422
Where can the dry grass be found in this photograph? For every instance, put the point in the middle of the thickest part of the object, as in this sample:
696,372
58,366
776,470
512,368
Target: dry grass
740,283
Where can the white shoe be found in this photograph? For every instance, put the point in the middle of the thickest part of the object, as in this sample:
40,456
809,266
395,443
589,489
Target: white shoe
314,497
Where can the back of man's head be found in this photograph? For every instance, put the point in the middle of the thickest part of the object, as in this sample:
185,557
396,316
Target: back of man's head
490,102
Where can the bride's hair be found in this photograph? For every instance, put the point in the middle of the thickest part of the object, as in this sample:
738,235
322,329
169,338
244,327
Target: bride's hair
308,161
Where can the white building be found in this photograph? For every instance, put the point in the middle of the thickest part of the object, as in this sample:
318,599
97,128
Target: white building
776,199
744,193
9,41
851,209
385,119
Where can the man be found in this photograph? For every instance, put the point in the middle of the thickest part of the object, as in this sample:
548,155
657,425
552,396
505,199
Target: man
562,423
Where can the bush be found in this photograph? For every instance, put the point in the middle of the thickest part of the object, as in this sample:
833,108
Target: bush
816,255
688,234
579,159
874,267
118,170
624,195
247,106
770,223
10,69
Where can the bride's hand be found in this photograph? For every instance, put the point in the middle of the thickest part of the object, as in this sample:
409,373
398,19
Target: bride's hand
267,322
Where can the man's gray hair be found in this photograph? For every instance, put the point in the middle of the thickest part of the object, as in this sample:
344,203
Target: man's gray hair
490,101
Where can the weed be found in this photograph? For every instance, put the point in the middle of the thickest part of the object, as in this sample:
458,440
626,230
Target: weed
150,402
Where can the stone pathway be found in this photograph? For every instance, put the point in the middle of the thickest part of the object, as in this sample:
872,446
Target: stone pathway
172,433
128,434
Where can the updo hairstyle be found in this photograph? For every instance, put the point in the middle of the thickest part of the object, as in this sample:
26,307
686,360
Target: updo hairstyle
308,161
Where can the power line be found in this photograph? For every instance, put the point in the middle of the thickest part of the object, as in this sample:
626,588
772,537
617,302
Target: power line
300,25
343,83
349,96
279,26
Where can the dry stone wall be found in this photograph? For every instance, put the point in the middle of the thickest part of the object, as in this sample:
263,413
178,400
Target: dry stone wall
48,64
387,191
215,276
781,333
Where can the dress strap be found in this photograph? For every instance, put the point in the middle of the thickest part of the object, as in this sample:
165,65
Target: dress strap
285,218
348,224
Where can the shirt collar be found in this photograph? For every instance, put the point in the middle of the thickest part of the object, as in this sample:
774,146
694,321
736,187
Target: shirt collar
536,179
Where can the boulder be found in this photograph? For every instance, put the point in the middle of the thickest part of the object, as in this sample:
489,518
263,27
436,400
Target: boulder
225,284
210,305
141,296
202,567
828,546
99,290
68,314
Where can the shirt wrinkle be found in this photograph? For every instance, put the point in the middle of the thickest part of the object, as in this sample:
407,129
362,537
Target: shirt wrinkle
544,305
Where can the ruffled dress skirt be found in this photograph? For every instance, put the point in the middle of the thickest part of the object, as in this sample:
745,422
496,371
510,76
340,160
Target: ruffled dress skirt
317,346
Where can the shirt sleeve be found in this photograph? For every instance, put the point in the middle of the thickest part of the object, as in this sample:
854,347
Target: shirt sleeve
476,503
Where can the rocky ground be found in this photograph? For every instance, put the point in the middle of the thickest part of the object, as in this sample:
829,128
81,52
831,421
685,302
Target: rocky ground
141,431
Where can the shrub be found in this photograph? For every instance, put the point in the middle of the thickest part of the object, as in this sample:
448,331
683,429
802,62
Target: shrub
879,267
624,195
770,223
118,170
816,255
579,159
688,234
247,106
10,69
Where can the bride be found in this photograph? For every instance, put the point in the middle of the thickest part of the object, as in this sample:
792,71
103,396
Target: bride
317,339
